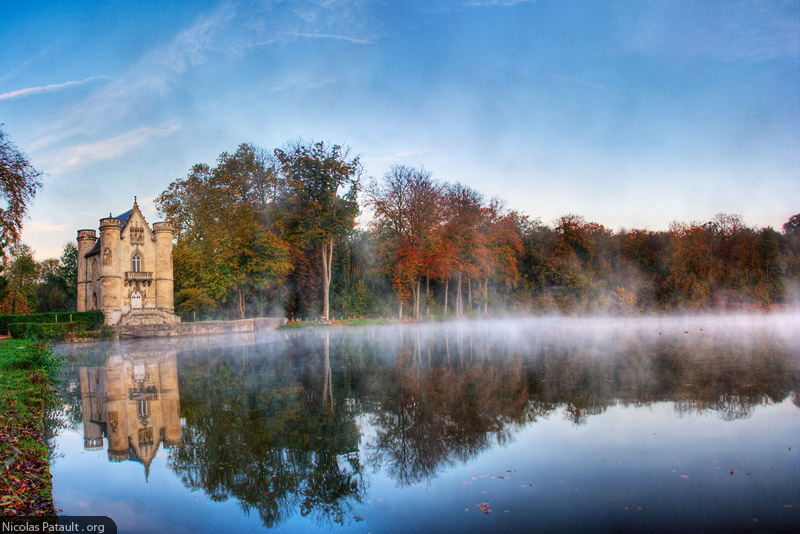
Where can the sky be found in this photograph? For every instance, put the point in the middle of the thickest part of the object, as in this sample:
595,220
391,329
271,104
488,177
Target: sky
631,114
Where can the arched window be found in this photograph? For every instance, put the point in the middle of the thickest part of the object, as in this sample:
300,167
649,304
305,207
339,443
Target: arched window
136,300
136,262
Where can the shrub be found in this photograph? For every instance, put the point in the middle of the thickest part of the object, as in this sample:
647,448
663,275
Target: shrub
92,318
45,330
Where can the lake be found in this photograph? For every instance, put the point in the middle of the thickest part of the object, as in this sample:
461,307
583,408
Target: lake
665,424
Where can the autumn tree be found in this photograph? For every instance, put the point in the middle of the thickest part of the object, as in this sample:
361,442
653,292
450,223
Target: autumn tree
503,244
463,211
690,266
407,209
322,184
19,181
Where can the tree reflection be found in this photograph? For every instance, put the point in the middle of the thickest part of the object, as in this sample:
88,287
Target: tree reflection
264,429
278,426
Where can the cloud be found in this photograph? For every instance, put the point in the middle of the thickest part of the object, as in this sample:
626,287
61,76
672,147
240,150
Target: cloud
302,84
145,81
76,157
336,37
45,88
403,155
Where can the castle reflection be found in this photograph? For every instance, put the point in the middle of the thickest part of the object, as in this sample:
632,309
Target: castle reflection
132,401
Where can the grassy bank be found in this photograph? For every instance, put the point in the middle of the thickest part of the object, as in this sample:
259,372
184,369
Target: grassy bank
26,368
346,322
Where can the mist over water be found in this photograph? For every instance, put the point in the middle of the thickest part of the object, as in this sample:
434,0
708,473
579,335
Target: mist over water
565,424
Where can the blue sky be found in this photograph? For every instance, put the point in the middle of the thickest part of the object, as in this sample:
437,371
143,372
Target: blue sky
632,114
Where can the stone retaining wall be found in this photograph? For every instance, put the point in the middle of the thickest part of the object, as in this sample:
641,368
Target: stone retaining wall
202,328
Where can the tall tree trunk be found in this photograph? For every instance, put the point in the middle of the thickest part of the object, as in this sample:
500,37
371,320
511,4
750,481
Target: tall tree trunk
469,293
327,258
400,312
419,294
446,290
241,303
414,298
458,296
486,296
427,296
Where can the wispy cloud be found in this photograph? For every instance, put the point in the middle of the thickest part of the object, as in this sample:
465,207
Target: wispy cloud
302,84
76,157
336,37
399,156
46,88
145,81
21,67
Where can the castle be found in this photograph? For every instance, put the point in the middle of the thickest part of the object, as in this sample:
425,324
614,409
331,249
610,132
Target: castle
127,272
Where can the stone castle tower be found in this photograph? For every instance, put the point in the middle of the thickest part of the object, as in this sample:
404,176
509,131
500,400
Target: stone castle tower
127,272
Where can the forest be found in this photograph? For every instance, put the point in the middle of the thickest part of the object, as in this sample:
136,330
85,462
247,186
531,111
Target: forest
264,233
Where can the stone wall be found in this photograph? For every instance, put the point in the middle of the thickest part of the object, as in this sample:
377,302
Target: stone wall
202,328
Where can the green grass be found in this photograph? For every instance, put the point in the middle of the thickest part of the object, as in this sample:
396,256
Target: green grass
26,371
347,322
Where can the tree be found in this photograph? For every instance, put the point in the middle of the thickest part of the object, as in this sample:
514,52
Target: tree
57,285
19,181
317,212
407,207
22,274
463,212
225,248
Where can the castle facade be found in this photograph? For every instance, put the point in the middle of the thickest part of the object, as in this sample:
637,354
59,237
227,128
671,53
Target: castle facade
127,270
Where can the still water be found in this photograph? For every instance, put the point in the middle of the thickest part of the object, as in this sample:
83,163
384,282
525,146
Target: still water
536,425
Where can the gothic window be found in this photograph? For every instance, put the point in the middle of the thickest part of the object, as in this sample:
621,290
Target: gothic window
94,301
136,262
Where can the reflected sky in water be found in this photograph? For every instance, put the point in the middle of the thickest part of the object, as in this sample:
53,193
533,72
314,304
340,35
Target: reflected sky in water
671,424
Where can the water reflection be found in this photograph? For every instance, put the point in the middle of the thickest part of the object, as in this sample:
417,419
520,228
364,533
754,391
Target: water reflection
132,401
295,424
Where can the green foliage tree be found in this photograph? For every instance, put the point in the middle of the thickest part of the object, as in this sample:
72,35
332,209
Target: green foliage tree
225,251
58,278
22,275
322,185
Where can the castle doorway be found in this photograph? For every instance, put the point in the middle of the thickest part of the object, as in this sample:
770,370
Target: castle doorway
136,300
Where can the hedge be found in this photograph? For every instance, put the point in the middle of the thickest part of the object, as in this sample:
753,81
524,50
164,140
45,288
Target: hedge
92,318
45,330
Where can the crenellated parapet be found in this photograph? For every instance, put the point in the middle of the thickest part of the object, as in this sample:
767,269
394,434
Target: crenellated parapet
109,222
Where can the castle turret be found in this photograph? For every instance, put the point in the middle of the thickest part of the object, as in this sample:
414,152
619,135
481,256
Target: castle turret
164,283
110,276
86,240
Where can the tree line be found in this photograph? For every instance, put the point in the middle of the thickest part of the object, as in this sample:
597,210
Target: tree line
274,232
